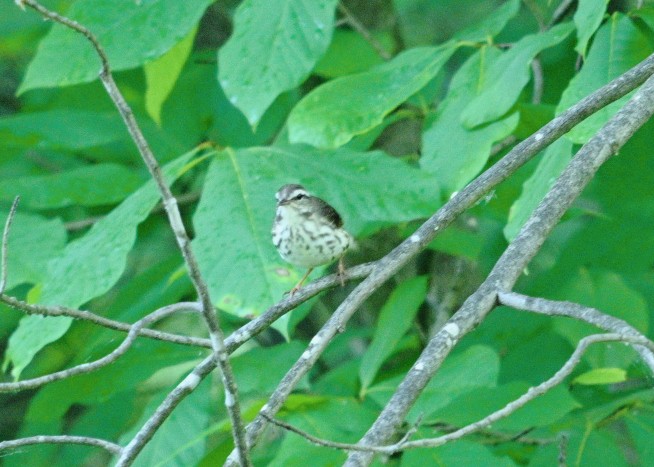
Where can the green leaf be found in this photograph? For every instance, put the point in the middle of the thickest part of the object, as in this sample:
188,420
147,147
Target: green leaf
27,263
332,114
161,75
554,160
500,88
92,185
491,25
601,376
454,153
587,19
476,367
181,438
349,52
395,319
617,47
88,267
275,45
459,453
132,33
233,219
477,404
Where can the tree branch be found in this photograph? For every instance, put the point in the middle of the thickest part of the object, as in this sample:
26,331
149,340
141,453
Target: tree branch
487,421
63,439
508,268
398,257
580,312
5,241
175,219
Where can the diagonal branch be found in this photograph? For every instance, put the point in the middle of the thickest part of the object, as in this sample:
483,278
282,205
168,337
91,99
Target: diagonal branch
398,257
583,313
509,267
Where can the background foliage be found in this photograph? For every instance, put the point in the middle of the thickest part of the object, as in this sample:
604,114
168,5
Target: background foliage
290,91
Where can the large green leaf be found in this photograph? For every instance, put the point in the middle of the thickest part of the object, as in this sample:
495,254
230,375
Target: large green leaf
500,88
491,24
454,153
88,267
395,319
234,217
132,33
340,109
93,185
554,160
275,44
618,46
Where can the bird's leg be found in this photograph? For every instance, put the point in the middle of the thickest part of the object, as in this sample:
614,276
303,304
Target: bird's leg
341,271
299,284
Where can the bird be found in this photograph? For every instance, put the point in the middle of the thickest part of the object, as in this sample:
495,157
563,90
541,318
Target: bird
308,232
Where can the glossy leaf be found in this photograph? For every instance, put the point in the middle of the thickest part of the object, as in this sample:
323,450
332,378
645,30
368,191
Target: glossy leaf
88,267
395,319
274,47
235,214
132,33
451,151
553,161
340,109
500,88
617,46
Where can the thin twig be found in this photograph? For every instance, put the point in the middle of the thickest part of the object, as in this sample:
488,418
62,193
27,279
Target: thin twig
531,394
560,12
97,364
5,242
580,312
361,29
112,448
537,71
175,219
42,310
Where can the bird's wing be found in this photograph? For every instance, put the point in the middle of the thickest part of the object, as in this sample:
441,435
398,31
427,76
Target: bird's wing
329,213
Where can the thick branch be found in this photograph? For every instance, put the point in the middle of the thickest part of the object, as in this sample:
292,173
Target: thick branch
511,264
63,439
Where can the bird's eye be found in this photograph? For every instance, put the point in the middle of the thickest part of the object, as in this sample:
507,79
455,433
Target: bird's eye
299,196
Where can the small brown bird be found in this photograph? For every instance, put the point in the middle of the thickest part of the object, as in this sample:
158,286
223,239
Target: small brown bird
308,232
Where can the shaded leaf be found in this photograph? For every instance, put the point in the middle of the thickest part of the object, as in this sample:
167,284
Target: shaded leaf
395,319
492,24
587,19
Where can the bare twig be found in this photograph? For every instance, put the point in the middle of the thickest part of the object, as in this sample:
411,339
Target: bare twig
97,364
33,309
62,439
537,71
175,219
5,241
361,29
560,12
487,421
392,262
580,312
512,263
